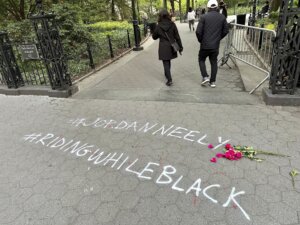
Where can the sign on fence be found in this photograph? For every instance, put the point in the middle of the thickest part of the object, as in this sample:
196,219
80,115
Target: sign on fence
29,51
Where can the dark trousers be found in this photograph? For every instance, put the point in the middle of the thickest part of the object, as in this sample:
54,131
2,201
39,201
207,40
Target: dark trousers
191,24
167,68
213,58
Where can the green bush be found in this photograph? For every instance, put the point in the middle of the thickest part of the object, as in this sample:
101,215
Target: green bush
109,26
238,10
20,31
268,23
274,15
73,32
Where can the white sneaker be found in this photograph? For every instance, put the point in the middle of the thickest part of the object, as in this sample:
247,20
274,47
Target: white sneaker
212,84
205,81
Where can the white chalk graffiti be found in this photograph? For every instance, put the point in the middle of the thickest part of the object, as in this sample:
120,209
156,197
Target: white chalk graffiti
154,129
117,160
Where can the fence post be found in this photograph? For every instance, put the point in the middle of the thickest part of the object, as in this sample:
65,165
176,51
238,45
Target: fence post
52,50
128,39
261,37
110,47
8,64
88,48
145,28
139,34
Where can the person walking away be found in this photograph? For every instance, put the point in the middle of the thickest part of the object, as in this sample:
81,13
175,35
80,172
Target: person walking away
167,33
197,13
265,9
223,9
191,18
211,28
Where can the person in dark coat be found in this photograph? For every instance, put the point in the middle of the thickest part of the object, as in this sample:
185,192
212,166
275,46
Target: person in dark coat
223,9
166,30
211,28
265,8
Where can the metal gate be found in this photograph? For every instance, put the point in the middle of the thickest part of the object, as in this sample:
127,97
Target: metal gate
11,75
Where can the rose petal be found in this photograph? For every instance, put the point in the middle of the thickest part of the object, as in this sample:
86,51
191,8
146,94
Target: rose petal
229,155
220,155
213,160
227,146
238,155
210,146
231,152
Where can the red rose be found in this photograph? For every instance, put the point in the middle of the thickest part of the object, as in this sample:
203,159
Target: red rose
238,155
227,146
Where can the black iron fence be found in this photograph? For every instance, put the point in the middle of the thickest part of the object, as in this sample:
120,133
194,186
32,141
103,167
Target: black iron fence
285,73
29,57
97,53
30,63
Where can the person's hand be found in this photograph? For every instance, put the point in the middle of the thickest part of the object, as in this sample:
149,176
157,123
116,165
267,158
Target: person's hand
180,51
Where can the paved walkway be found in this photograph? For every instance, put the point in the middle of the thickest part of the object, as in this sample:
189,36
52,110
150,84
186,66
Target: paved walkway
139,76
103,158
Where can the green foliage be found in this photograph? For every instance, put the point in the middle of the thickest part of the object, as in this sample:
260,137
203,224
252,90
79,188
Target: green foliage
274,15
109,26
74,18
269,23
238,10
94,11
73,32
20,31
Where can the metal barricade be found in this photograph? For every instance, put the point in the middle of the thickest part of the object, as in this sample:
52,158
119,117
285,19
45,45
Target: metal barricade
251,45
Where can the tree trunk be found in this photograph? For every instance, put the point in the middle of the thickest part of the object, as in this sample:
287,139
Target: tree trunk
22,10
113,11
180,10
165,4
188,3
172,6
150,8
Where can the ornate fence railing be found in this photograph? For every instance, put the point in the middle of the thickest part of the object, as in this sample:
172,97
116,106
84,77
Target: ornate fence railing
29,60
30,63
285,74
99,52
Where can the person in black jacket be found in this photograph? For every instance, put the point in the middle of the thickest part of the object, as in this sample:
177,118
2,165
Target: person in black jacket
223,9
211,28
167,32
265,8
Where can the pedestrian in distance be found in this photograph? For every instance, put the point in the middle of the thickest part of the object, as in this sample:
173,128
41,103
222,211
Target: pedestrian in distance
223,9
167,33
211,29
265,8
191,18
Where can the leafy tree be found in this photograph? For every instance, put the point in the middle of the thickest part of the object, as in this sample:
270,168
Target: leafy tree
74,34
13,8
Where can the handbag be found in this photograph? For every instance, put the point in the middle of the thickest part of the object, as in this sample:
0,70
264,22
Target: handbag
174,44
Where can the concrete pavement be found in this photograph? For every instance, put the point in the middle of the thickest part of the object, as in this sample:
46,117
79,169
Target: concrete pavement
129,150
139,76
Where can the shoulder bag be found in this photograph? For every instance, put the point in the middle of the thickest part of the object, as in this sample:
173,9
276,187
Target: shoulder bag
174,44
